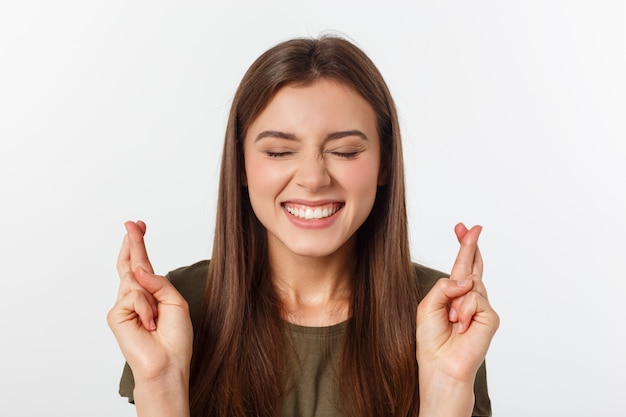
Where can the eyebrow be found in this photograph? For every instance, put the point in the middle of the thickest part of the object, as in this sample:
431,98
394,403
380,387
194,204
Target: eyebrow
290,136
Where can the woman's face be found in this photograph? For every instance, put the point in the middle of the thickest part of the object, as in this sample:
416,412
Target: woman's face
312,161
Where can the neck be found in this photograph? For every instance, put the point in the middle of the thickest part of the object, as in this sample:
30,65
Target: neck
314,291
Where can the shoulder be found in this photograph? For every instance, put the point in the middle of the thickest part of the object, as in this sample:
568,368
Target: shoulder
191,273
427,277
190,281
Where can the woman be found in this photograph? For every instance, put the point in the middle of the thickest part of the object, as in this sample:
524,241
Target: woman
309,305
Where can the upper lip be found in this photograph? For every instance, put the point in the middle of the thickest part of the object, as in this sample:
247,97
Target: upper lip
310,203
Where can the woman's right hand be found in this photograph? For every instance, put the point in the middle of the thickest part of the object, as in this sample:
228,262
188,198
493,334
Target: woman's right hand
150,318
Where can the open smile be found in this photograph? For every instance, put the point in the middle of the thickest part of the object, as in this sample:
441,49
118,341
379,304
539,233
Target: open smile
305,212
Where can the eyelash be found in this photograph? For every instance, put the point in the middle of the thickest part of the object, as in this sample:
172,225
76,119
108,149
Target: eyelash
277,154
343,155
346,155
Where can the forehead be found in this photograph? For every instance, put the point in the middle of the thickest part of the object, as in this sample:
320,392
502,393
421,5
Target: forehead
323,104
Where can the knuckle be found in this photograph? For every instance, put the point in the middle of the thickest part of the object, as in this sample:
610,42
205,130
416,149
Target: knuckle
184,304
127,277
137,296
473,298
127,283
442,283
131,299
111,317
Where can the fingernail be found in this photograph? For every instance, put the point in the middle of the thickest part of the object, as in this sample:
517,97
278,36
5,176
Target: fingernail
459,329
464,283
452,316
152,325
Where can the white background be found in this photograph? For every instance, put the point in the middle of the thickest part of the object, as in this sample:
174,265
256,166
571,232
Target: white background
513,116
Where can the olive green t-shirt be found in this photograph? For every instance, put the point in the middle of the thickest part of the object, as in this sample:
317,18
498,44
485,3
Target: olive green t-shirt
317,349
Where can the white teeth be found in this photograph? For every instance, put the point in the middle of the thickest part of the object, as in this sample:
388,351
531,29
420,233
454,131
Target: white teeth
312,213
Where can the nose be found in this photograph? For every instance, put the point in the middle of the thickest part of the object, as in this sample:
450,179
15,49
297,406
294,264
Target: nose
312,174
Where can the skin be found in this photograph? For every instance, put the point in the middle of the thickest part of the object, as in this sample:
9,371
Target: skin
313,144
310,265
159,355
151,323
455,325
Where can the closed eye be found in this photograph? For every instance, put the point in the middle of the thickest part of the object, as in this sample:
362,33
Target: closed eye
278,154
346,155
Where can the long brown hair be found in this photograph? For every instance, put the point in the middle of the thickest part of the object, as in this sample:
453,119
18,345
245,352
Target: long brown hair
238,367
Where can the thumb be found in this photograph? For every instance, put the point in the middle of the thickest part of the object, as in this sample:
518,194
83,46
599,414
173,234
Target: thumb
160,287
443,292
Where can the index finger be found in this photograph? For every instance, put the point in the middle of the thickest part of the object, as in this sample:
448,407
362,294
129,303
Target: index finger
468,260
137,246
461,231
123,259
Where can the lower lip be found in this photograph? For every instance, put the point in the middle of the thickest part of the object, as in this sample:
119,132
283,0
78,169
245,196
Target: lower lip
313,223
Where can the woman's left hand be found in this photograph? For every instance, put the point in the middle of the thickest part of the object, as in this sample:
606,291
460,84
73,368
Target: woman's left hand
455,322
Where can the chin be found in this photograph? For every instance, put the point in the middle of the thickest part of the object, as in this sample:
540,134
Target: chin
312,252
312,248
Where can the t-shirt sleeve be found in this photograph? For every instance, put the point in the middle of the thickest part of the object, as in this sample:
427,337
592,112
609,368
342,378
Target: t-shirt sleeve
127,384
190,282
426,278
482,402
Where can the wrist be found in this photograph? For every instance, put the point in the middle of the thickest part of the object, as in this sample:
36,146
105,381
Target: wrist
441,395
165,395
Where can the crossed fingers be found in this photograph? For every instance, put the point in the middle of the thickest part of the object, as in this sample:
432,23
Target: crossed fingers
133,255
468,266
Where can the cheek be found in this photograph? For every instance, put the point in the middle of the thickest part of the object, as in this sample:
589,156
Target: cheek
263,176
361,177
